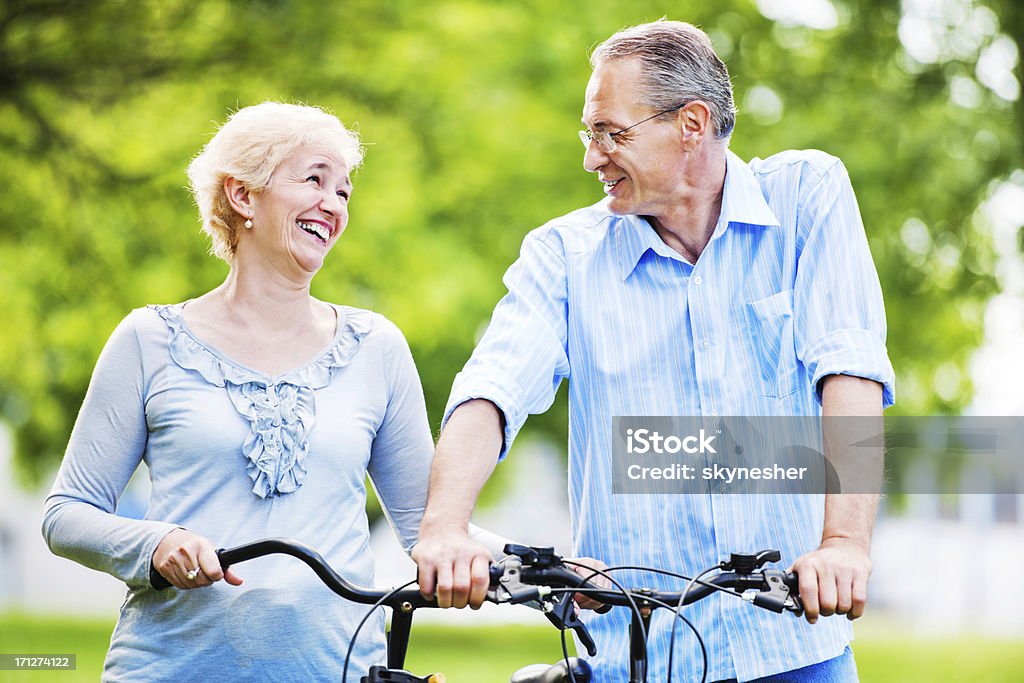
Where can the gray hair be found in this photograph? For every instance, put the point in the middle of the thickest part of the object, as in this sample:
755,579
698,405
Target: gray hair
249,147
679,64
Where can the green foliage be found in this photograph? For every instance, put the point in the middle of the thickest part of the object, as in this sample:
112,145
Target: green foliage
470,110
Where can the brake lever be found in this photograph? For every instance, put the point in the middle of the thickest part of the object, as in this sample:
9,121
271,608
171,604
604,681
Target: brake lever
778,597
561,611
559,608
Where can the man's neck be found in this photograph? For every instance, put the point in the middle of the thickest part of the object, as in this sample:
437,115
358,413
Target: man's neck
687,227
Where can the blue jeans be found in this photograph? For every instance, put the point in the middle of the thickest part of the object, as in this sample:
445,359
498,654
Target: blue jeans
841,669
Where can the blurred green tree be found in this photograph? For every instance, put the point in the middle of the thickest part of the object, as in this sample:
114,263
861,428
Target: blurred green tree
470,110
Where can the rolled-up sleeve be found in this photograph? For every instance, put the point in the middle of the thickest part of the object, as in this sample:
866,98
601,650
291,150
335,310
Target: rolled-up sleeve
522,358
840,317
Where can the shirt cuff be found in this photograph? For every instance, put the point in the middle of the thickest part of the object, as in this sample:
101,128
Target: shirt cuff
858,353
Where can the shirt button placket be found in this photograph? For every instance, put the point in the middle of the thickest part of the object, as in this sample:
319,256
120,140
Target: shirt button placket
703,345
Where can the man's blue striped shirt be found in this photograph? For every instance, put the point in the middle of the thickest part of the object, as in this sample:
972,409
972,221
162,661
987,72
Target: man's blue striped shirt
784,294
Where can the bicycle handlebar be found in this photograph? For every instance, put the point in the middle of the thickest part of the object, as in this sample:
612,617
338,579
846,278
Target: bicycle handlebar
537,568
316,562
538,574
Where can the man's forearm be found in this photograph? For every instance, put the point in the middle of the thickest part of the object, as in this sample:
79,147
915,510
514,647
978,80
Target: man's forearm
850,517
858,405
834,577
466,454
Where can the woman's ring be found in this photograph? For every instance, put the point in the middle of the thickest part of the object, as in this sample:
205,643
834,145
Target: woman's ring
192,574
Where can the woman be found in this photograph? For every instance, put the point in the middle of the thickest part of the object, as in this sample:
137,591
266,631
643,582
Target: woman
258,410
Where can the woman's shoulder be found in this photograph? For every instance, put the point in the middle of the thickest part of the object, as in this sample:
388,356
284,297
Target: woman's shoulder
374,327
153,319
148,319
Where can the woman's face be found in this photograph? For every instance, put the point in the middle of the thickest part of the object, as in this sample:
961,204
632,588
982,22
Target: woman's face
300,216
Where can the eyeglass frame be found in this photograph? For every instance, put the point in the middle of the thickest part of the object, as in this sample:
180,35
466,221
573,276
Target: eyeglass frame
587,136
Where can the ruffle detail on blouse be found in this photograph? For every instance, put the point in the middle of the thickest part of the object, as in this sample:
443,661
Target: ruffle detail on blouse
281,411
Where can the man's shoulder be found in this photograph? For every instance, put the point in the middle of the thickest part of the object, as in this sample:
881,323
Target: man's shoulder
809,165
587,225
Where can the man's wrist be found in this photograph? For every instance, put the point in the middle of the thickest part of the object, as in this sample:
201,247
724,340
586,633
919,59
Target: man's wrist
433,527
839,539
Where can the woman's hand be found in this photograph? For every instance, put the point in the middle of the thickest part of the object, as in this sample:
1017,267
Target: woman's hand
188,560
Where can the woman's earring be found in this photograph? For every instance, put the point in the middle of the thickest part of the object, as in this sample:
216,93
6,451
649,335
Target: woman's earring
248,223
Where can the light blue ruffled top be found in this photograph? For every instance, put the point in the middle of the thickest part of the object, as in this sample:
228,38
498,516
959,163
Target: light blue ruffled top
213,433
281,410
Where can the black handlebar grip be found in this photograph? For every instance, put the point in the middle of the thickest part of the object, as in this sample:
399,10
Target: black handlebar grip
156,579
770,602
224,562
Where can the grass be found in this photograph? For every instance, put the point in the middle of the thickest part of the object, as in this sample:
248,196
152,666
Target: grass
492,653
24,634
964,659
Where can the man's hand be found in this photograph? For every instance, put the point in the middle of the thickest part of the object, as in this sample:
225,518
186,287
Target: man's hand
587,572
188,560
452,566
834,579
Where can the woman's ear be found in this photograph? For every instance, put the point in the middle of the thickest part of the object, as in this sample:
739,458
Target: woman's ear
238,196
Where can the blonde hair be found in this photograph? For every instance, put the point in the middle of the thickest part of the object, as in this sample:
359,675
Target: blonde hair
249,147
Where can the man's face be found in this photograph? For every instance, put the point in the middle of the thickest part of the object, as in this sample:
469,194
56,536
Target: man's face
644,174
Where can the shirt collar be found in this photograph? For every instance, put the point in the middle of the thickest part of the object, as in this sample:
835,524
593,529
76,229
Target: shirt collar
742,202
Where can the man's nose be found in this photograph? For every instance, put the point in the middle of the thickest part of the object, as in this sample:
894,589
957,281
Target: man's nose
594,158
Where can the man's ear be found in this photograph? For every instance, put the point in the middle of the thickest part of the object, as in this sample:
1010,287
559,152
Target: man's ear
239,196
695,122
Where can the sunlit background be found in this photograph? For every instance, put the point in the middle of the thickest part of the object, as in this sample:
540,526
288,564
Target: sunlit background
470,111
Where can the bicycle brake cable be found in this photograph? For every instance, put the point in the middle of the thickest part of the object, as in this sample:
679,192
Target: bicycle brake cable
700,641
351,643
683,577
625,593
678,610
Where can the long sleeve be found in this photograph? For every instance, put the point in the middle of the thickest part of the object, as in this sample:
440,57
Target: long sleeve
403,448
107,444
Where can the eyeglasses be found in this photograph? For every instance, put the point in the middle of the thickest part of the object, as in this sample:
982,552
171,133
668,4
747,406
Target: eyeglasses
606,141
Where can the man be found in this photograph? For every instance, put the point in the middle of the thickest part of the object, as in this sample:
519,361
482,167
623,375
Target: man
699,286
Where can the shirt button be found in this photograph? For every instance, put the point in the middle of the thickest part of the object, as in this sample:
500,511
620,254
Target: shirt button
705,343
697,280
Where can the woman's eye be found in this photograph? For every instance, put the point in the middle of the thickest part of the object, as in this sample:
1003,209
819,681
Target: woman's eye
314,178
343,194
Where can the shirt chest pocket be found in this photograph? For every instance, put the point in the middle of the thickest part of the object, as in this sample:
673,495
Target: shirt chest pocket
770,336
